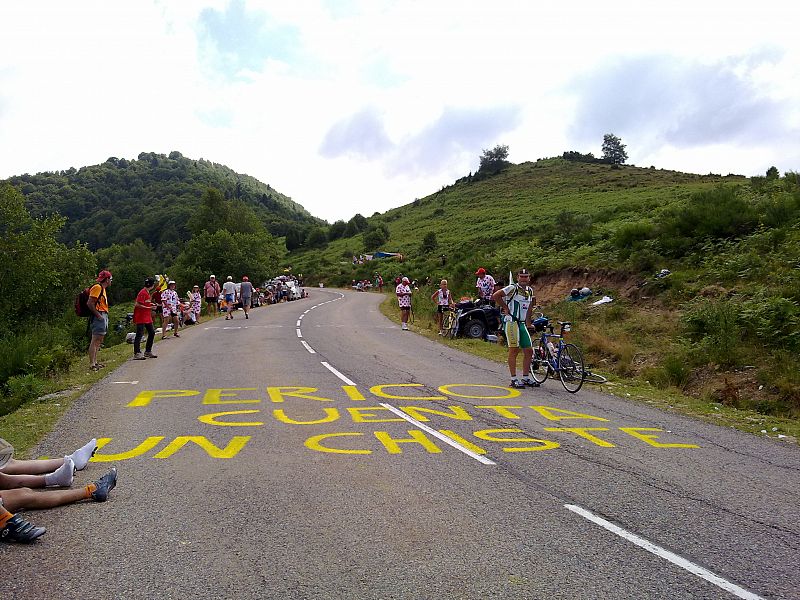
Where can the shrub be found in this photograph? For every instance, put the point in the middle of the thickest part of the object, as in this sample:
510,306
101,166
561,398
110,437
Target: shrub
716,326
19,390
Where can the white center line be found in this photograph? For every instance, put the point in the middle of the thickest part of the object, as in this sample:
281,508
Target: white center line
436,434
128,382
307,347
298,323
726,585
298,333
337,373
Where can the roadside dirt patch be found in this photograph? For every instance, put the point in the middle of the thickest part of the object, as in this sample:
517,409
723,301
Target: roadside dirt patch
556,286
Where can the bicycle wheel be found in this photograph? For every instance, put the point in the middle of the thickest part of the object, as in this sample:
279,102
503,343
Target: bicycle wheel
447,324
590,377
570,367
539,366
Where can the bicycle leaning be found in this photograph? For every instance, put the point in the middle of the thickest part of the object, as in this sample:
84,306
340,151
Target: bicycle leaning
563,360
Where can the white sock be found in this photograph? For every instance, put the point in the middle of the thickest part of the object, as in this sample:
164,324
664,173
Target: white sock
82,455
62,476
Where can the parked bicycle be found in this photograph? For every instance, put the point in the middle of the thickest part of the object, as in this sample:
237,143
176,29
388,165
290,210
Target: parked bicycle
563,361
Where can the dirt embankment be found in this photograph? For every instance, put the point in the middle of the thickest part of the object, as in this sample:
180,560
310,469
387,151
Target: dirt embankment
555,287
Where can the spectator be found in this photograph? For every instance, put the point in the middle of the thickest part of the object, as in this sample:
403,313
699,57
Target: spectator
143,319
444,301
98,322
516,302
195,303
246,294
169,309
211,291
403,292
485,284
229,291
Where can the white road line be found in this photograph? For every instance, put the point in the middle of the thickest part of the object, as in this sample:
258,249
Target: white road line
720,582
436,434
298,323
299,334
338,374
307,347
129,382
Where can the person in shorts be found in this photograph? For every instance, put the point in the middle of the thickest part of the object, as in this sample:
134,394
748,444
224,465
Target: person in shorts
444,301
169,309
229,291
211,291
98,321
484,284
516,301
246,295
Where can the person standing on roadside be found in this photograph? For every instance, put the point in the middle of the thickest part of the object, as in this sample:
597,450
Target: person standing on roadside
169,310
195,300
98,321
143,319
211,291
516,301
485,284
229,291
403,292
246,294
444,301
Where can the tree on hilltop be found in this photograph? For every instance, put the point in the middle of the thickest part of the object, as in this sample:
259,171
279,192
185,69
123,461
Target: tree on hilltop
614,150
493,161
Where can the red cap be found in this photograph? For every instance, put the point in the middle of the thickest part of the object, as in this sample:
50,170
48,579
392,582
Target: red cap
480,271
244,278
103,276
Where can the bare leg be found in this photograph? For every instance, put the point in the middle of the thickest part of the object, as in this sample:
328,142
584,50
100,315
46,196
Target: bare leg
10,482
527,356
94,347
512,361
32,467
26,498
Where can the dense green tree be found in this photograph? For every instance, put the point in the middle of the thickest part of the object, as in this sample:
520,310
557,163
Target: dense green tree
317,238
225,253
337,230
429,243
375,236
494,160
772,173
614,150
39,276
130,264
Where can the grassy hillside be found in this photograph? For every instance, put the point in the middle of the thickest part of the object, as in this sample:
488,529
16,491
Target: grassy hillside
725,325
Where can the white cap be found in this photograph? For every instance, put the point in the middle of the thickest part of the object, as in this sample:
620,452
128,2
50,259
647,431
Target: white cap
406,279
212,276
230,278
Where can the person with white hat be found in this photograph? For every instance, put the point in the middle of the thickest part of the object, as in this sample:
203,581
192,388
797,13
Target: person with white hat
229,290
403,292
169,308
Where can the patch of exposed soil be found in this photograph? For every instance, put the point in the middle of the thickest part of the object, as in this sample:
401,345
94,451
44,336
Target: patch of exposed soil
556,286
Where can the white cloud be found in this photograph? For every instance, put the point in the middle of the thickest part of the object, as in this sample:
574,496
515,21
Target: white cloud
367,105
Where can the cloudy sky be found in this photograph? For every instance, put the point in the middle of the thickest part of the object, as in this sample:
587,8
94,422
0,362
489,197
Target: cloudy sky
359,106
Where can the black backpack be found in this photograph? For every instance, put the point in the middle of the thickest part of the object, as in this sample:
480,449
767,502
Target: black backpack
82,302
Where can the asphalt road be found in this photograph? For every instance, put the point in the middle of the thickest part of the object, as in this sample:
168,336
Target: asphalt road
304,453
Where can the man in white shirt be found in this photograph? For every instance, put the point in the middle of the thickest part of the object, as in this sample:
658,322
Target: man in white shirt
229,291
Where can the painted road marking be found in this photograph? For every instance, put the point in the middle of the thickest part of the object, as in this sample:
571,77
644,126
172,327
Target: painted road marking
713,578
298,323
298,333
130,382
436,434
309,348
338,374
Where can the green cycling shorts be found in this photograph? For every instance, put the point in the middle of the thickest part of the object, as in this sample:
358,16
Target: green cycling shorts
517,335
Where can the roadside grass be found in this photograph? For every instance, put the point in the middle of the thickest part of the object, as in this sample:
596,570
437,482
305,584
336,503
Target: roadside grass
28,424
596,336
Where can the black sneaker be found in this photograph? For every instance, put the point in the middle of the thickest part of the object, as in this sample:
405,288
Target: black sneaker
530,382
19,530
516,383
104,485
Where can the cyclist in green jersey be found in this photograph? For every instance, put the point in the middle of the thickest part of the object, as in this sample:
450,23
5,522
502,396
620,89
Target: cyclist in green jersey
515,302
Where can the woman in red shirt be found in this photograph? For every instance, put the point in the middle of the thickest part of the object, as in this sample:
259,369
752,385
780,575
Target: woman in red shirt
143,318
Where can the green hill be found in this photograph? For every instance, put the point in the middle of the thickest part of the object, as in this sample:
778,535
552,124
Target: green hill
724,325
151,198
